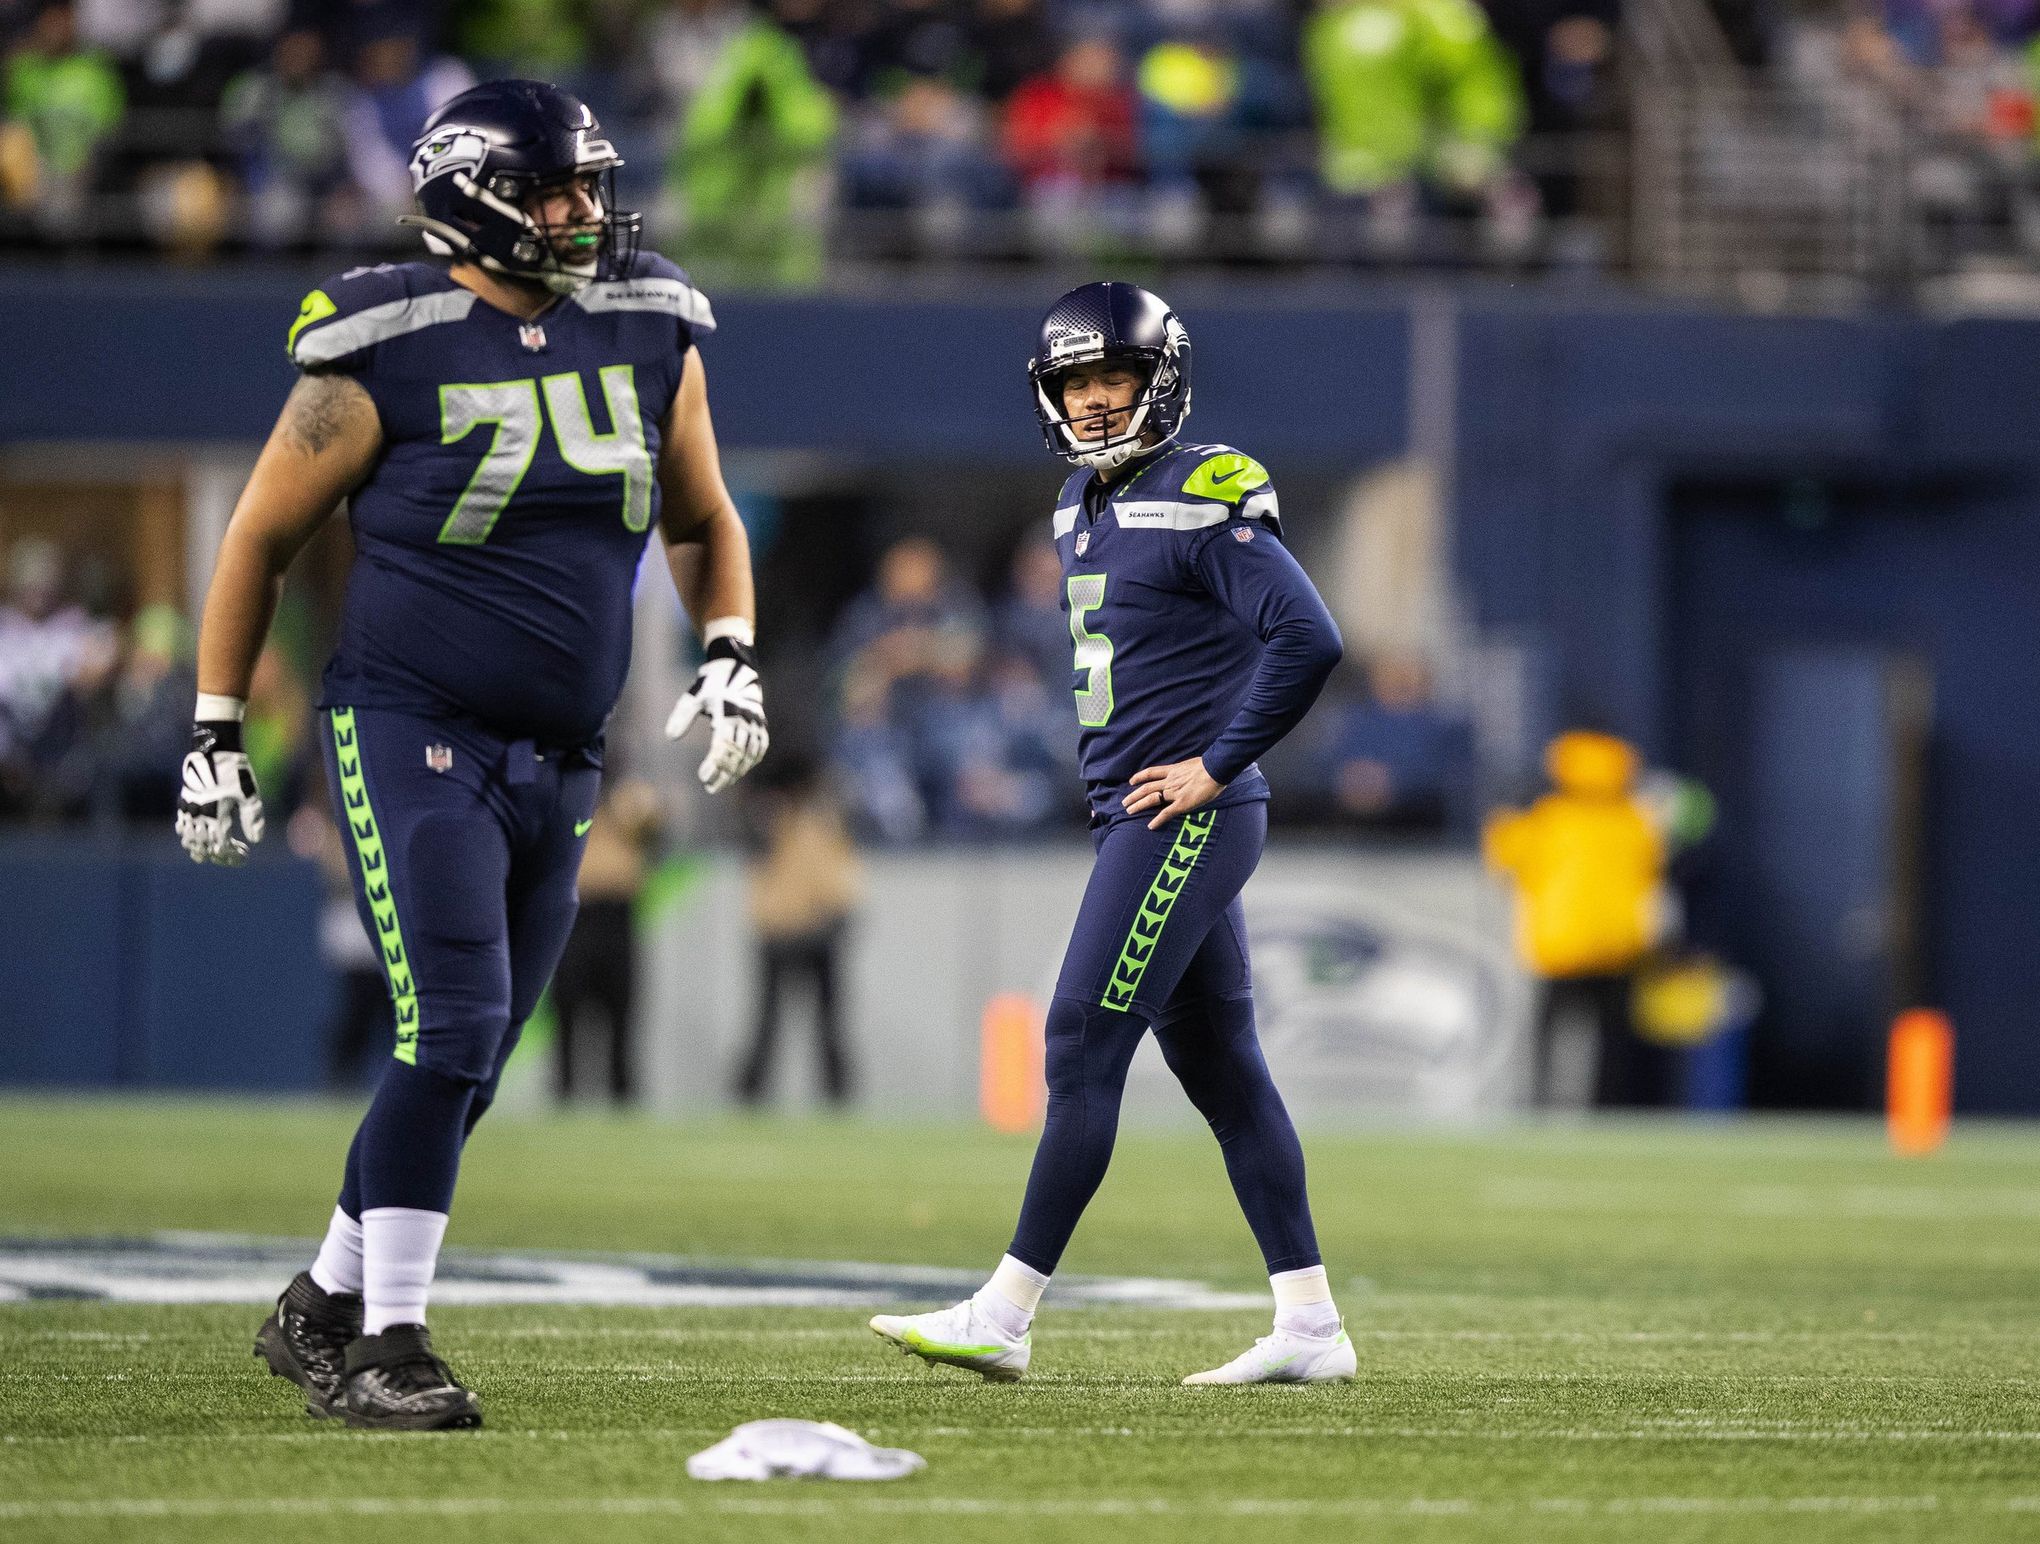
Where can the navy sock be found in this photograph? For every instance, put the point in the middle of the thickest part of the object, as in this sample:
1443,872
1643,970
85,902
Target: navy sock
407,1151
1088,1051
1216,1056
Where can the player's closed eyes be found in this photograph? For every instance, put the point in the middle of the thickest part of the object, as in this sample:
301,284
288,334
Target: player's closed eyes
582,189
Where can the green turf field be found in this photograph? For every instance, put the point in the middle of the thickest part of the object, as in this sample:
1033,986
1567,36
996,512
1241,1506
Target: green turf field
1757,1331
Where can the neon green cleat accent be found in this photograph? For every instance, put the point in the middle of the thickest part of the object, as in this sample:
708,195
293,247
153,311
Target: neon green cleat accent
958,1337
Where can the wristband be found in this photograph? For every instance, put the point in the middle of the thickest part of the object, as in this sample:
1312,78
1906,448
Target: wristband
213,708
734,628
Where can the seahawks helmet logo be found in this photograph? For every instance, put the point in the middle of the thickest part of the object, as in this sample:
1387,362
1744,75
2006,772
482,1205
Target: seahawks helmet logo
450,148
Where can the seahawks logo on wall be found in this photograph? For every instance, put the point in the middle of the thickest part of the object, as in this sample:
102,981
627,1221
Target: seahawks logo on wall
451,149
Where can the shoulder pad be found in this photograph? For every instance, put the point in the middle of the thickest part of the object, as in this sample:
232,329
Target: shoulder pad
1225,475
655,284
1222,473
365,306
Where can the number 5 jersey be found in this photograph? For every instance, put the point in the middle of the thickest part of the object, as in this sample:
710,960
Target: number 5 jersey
1195,632
498,538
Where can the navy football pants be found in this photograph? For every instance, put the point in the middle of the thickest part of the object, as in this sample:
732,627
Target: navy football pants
465,849
1161,940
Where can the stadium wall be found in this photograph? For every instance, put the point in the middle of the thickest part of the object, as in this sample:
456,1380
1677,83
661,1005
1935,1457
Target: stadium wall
1385,981
1659,502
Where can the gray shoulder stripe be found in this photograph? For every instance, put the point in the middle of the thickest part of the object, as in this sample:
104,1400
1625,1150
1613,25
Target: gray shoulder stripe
1066,520
1262,506
668,295
378,324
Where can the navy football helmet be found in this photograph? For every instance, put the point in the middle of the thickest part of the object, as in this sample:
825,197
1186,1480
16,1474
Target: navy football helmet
1125,324
478,163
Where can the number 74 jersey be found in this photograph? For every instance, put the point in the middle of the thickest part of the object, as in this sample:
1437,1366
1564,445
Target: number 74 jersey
498,538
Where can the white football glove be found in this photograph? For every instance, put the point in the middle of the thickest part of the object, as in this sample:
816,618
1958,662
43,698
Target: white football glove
726,692
219,796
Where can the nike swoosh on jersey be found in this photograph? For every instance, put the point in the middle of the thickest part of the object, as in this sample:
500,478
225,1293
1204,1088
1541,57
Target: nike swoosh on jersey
581,827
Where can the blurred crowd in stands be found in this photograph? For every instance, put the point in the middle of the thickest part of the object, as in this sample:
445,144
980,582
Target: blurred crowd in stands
95,703
953,718
1946,89
949,714
768,139
761,136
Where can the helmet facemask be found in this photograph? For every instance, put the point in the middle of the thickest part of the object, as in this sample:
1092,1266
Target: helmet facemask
587,242
498,232
1107,451
1153,417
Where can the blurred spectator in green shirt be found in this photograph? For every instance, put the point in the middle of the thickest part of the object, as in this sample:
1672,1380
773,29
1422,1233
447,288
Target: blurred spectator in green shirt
62,103
1410,90
750,168
545,39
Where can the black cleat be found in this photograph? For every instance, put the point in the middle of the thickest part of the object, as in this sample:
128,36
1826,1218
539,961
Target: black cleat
306,1340
395,1383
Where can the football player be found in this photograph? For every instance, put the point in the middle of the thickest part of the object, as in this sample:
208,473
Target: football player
1199,643
508,424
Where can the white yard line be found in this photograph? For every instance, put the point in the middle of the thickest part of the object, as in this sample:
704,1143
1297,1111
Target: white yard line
1685,1432
1475,1434
334,1433
848,1502
855,1329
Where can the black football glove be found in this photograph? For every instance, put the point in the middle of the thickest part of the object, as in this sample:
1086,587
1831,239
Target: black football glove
219,796
726,692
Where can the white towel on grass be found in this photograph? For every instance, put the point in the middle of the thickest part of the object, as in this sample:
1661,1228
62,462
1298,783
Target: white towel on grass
812,1450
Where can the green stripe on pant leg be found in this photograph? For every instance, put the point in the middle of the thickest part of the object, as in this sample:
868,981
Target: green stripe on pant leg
1155,907
375,882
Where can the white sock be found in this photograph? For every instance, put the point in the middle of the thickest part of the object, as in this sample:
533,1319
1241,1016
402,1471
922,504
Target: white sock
1303,1302
399,1248
1011,1296
338,1268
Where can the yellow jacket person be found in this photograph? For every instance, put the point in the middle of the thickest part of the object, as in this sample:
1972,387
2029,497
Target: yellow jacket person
1587,862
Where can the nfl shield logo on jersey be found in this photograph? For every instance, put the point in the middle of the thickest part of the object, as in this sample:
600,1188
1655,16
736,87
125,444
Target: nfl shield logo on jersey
1083,541
1243,533
438,757
532,336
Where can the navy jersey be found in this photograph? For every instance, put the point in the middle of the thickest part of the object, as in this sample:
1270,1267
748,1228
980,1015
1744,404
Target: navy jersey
1196,632
498,539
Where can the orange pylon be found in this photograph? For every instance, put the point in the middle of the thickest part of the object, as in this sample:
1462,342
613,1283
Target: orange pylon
1010,1088
1920,1081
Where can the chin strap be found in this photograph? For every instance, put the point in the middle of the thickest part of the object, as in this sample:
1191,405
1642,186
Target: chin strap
1110,457
440,238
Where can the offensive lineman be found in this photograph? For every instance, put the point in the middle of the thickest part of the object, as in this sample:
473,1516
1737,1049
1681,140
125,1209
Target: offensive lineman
1199,644
507,429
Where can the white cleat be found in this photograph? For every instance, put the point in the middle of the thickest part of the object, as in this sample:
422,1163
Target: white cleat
1287,1357
959,1337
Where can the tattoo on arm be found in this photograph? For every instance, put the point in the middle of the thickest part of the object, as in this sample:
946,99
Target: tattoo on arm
318,410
